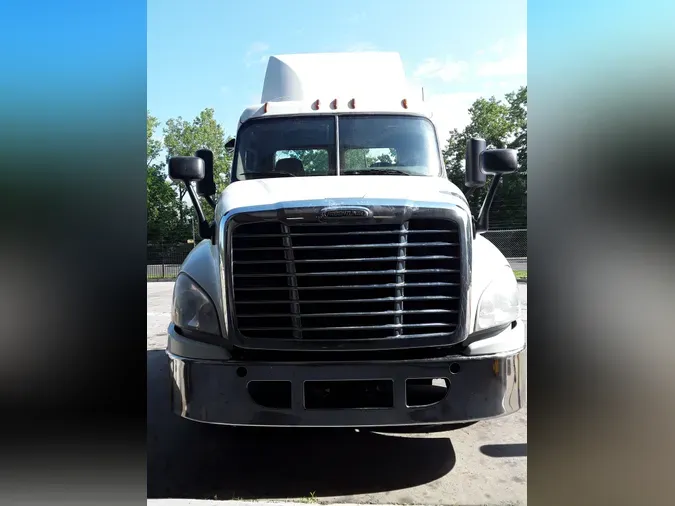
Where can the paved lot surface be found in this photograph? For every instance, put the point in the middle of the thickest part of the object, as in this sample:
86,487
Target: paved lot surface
485,463
518,264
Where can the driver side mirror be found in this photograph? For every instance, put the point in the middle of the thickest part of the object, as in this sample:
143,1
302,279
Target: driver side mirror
186,169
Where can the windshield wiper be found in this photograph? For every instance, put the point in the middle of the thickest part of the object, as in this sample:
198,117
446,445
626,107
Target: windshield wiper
365,172
276,173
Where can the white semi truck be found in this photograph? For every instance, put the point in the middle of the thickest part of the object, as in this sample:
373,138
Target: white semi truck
344,281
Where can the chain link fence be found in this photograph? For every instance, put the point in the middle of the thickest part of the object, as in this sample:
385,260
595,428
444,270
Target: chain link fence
511,242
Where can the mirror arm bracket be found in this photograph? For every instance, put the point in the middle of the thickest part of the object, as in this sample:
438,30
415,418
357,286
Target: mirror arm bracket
210,201
206,229
483,216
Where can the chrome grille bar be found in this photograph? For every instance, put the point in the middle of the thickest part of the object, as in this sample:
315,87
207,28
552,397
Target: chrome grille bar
345,287
329,260
350,246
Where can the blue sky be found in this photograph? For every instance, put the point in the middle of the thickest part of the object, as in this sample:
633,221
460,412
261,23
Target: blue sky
212,53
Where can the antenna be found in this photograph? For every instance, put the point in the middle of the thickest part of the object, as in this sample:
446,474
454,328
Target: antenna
422,93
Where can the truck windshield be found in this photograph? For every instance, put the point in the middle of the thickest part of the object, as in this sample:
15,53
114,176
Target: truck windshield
305,146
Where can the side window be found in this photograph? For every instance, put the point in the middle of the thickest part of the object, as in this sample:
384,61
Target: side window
371,157
314,161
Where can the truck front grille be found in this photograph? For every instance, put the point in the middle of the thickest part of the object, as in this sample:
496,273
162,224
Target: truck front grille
336,282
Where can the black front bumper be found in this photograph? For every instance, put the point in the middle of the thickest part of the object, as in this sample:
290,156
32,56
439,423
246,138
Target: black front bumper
217,392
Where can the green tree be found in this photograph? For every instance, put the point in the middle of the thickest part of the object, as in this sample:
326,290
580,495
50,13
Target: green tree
503,124
162,205
154,146
183,138
517,101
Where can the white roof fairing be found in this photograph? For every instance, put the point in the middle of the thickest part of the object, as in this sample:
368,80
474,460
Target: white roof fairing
299,77
375,80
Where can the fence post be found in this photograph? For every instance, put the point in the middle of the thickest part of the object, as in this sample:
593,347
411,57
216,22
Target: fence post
162,250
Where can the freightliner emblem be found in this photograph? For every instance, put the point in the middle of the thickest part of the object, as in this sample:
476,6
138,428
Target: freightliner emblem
339,213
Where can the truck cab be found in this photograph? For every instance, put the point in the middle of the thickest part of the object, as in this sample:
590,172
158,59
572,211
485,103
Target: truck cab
344,280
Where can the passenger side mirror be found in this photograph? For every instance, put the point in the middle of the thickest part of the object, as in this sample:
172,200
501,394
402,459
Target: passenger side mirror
186,169
474,175
479,163
499,161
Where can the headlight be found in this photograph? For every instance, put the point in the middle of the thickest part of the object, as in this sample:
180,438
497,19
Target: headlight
499,302
192,309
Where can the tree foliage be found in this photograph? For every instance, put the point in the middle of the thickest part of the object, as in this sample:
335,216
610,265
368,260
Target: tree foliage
183,138
154,147
169,218
503,124
163,208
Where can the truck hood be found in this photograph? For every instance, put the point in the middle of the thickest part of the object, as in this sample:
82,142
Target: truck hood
335,189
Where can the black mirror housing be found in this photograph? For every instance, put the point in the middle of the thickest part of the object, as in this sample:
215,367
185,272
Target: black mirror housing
499,161
186,168
474,175
479,163
207,185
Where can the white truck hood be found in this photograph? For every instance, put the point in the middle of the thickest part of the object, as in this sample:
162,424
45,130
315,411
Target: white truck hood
334,189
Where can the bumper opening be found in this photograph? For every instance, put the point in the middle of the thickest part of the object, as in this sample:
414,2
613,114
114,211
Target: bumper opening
421,392
349,394
271,394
